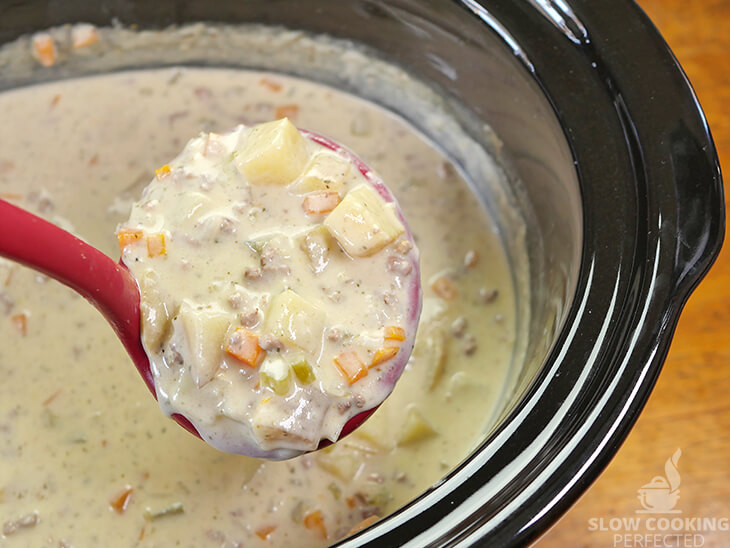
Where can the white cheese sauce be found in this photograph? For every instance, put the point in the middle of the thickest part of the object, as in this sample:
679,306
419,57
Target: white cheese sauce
86,457
280,291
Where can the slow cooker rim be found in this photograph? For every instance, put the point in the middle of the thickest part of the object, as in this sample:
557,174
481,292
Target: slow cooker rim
532,517
655,304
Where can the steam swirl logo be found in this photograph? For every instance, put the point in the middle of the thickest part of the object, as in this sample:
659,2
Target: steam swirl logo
661,494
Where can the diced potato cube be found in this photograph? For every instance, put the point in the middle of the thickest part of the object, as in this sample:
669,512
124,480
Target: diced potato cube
155,316
274,153
326,171
244,346
461,385
395,333
431,351
275,374
320,202
363,223
302,369
295,320
378,431
351,366
343,464
316,244
384,354
204,330
415,427
273,427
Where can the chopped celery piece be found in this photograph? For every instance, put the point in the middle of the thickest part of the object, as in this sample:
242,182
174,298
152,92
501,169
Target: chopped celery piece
274,373
173,509
303,370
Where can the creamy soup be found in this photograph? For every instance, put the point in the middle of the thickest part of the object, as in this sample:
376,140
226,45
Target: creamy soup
279,289
86,457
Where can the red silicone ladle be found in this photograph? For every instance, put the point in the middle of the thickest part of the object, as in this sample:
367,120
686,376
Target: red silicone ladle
108,285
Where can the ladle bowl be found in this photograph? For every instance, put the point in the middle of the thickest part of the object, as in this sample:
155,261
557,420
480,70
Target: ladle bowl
108,285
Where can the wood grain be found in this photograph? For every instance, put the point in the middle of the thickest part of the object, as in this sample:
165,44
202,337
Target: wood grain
690,406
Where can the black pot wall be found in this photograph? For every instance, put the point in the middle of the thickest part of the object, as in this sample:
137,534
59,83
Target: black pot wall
624,195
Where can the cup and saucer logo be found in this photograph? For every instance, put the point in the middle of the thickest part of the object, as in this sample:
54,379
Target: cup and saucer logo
661,494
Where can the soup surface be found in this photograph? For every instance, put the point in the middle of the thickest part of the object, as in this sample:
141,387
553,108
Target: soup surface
86,456
279,290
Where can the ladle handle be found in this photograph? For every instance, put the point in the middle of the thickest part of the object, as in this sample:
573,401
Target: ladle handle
42,246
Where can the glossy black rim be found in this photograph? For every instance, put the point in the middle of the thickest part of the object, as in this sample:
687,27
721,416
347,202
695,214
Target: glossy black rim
653,225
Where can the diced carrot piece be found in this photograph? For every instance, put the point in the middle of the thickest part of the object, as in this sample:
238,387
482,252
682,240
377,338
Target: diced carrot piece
364,524
10,196
244,346
445,288
316,203
127,236
52,397
265,532
83,35
120,502
20,322
162,172
6,166
44,49
393,332
142,532
350,366
286,111
156,245
270,84
383,354
314,522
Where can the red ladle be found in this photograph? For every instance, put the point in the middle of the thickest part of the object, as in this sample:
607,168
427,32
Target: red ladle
34,242
109,286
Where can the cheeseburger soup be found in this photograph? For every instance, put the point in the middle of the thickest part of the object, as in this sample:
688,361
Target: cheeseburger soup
86,457
280,293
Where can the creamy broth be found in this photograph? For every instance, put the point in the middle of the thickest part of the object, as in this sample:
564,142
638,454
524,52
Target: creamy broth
80,430
279,290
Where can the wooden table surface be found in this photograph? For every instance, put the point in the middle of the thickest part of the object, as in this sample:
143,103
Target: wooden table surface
690,406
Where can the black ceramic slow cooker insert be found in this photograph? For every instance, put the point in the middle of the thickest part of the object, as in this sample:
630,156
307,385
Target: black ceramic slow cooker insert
619,184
